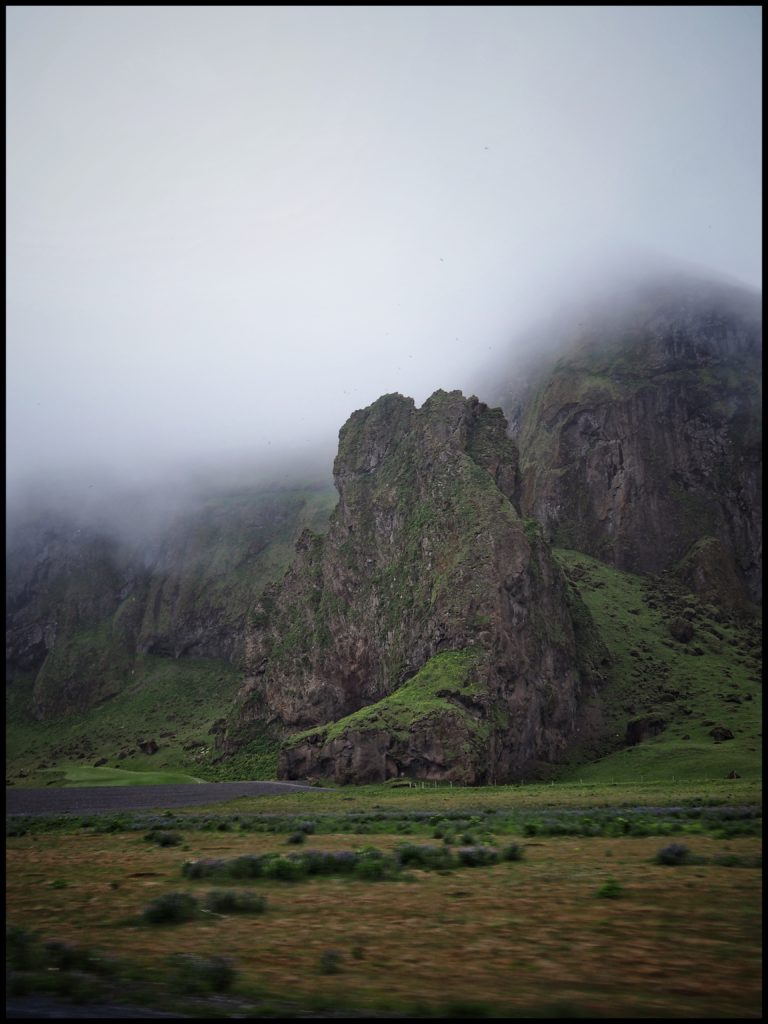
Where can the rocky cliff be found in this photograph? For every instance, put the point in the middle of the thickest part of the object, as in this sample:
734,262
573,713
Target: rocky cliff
429,632
640,432
82,604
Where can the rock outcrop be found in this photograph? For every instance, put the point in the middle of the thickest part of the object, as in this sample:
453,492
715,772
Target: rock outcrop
82,605
640,434
426,560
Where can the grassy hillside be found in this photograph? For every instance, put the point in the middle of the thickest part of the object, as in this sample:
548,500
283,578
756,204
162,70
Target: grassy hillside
708,678
174,703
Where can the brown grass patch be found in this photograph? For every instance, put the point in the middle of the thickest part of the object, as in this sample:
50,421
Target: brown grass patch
683,941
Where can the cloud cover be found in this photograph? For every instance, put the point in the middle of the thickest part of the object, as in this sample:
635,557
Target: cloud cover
228,228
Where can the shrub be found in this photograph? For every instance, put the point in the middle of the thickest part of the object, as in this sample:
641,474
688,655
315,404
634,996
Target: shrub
296,838
476,856
330,961
200,974
426,857
171,908
512,852
675,853
307,827
611,890
203,868
249,865
284,869
163,838
228,901
373,869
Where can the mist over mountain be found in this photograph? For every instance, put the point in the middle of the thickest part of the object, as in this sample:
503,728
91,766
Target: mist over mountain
261,219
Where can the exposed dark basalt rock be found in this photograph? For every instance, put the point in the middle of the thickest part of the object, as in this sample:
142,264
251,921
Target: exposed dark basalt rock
65,585
426,553
641,433
644,729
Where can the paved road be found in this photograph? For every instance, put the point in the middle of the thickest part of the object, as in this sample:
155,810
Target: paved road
108,799
48,1007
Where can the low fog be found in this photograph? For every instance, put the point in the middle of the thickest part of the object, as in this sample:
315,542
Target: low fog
228,228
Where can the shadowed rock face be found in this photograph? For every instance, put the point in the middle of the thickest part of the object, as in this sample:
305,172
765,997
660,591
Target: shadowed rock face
82,605
642,435
426,553
64,584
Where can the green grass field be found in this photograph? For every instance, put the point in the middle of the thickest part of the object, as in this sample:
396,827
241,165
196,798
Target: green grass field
121,777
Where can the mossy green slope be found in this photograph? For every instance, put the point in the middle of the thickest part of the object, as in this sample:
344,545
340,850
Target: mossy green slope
109,646
438,688
710,679
176,704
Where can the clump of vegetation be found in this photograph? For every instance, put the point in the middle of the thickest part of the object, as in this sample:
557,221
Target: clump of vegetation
611,890
429,858
477,856
367,863
296,838
512,852
171,908
203,868
34,965
229,901
198,975
674,854
285,869
164,838
330,961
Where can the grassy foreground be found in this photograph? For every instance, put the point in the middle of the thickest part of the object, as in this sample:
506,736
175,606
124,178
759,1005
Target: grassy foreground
586,923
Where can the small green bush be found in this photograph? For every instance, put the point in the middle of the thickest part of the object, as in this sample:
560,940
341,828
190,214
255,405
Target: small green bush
611,890
429,858
249,865
285,870
171,908
330,961
204,868
373,869
164,838
296,838
512,852
228,901
477,856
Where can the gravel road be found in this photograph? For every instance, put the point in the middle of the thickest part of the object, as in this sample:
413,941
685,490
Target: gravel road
107,799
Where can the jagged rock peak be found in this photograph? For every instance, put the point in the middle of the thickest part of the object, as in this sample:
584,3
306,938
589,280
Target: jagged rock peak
448,423
427,567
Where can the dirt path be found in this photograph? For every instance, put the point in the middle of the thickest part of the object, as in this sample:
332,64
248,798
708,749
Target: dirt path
108,799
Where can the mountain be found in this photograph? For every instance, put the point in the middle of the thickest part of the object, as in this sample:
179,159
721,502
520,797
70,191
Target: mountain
640,433
504,589
430,623
93,615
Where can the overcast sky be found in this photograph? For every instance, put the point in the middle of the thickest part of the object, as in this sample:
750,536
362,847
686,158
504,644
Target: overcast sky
228,228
